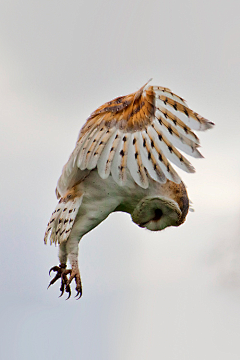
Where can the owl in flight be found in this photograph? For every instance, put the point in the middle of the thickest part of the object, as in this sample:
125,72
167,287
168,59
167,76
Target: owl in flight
122,162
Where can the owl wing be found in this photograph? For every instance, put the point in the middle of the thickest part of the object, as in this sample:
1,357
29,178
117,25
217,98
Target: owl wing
142,132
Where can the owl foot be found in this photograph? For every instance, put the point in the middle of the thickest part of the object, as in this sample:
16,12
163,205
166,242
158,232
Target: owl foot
75,274
61,273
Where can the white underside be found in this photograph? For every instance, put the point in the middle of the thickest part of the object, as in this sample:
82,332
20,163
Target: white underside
101,197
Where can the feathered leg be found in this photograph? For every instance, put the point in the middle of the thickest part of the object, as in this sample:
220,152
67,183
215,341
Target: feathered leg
68,233
58,230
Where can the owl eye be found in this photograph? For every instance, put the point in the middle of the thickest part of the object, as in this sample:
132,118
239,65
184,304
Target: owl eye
158,214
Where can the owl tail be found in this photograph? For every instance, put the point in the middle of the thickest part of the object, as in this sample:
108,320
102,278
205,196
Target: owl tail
61,222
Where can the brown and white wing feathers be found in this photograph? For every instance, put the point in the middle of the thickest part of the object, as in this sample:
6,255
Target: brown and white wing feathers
104,163
138,134
135,162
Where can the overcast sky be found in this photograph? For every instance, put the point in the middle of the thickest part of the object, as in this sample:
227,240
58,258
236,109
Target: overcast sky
172,295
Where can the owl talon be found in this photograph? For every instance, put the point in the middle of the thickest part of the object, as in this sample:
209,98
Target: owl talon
62,288
69,292
76,275
54,268
61,273
79,295
61,294
57,276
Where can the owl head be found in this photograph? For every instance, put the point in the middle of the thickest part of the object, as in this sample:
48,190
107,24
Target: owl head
160,211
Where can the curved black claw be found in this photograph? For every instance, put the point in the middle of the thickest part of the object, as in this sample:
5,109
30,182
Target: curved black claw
54,268
78,287
56,277
62,273
76,276
79,295
65,287
62,288
69,292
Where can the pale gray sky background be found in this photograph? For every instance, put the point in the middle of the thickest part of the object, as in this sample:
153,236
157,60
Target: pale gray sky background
173,295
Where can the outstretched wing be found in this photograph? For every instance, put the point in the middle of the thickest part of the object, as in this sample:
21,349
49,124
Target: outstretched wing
141,132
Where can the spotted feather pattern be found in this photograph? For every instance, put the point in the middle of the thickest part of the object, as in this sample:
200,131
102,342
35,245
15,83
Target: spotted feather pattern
135,163
62,219
141,134
106,157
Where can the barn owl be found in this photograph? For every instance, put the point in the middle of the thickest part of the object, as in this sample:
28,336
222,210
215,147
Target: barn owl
122,162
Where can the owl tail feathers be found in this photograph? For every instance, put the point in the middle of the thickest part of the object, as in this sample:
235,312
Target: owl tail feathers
61,222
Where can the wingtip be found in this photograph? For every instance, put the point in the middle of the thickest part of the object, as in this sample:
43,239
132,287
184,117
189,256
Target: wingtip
143,87
139,92
210,124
